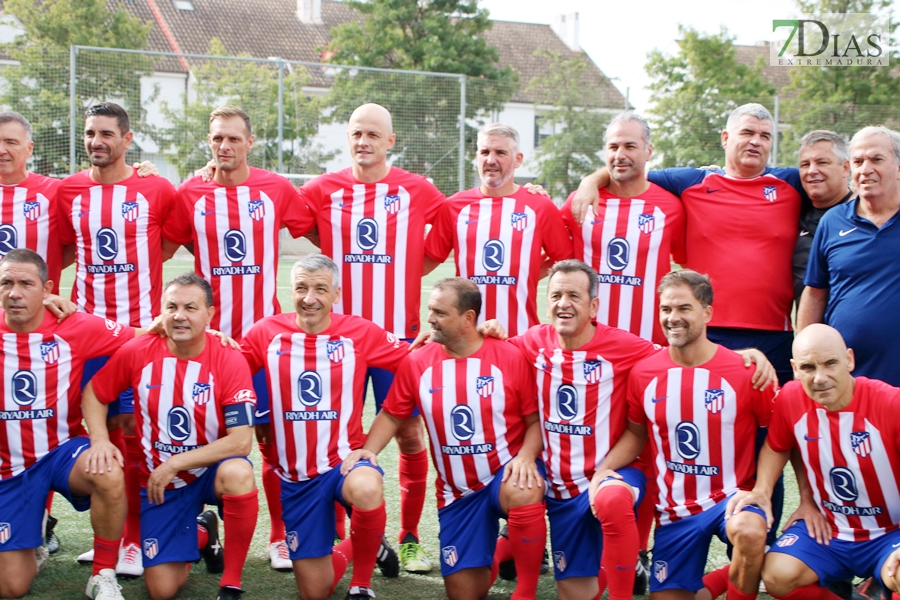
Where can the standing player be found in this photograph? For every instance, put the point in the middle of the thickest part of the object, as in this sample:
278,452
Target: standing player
114,218
500,233
698,402
231,223
371,220
42,440
846,430
315,363
195,412
478,402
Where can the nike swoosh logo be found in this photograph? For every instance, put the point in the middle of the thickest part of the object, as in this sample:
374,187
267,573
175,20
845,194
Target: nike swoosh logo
79,449
660,399
811,439
81,214
595,221
804,232
621,568
842,233
153,387
431,391
280,352
207,212
709,191
260,415
343,204
537,539
470,221
896,545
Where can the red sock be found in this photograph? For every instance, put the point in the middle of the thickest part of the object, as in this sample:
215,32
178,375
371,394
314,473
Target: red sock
717,581
133,456
272,488
240,514
809,592
340,520
413,481
502,553
202,537
49,504
106,554
527,540
366,532
615,509
341,556
736,594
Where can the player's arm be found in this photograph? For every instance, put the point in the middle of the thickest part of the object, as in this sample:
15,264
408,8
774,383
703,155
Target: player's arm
626,449
522,469
816,523
588,193
430,265
146,169
60,307
102,453
812,306
168,249
380,434
68,255
769,467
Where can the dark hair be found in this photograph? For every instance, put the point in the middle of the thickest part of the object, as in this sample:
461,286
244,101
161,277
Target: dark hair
572,265
700,285
110,109
30,257
468,296
192,278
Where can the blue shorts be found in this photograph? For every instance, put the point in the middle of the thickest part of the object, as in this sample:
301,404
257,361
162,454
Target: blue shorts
124,404
381,384
308,511
680,548
261,389
776,345
575,534
23,498
169,530
841,559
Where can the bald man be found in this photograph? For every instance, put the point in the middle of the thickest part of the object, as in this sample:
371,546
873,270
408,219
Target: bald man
848,434
371,220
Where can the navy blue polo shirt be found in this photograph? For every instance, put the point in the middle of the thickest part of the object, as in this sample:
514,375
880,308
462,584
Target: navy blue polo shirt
860,266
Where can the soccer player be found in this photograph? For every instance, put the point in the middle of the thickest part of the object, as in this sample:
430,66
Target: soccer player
847,432
195,413
478,401
231,224
315,363
114,217
500,233
697,403
371,220
852,276
42,442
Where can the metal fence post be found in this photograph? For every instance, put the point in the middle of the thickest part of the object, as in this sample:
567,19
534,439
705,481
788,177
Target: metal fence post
462,133
73,52
280,113
775,137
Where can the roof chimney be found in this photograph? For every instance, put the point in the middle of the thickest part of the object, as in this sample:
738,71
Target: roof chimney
310,11
566,27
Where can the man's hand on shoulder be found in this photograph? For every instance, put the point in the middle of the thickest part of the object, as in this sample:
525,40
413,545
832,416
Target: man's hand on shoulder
765,374
492,328
146,169
60,307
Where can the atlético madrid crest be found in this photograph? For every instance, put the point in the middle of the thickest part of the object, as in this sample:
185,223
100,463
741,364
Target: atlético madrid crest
449,554
50,352
257,209
714,400
5,532
32,210
201,393
130,211
392,203
861,443
592,371
786,540
519,221
151,548
335,351
485,386
646,223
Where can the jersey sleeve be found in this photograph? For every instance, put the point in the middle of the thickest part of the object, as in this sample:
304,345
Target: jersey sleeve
295,216
234,392
383,350
105,336
64,216
764,402
114,377
780,435
676,180
178,228
557,240
439,242
635,400
678,223
166,205
401,398
436,201
817,274
251,348
526,386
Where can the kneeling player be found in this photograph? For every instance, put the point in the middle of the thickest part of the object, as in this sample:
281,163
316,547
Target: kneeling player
194,404
478,401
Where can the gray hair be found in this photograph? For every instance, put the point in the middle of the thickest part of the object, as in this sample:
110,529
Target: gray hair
317,262
191,278
838,144
871,130
753,109
501,129
629,116
8,116
572,265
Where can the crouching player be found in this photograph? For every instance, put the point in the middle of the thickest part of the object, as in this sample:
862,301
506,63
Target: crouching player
315,363
478,400
194,407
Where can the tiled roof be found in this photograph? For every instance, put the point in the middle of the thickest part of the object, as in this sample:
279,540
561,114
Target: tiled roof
780,77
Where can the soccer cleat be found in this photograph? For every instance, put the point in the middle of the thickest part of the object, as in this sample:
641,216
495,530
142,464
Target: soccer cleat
131,563
413,557
213,554
279,557
358,592
387,560
103,586
51,541
641,574
507,569
870,589
41,557
229,593
86,558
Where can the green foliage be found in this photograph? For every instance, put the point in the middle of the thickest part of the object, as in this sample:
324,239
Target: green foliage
573,150
38,86
218,82
443,36
692,94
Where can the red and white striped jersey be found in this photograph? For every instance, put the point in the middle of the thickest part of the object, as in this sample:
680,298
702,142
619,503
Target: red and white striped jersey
581,395
629,244
40,393
498,244
234,230
179,403
851,455
316,386
117,230
28,219
702,423
474,408
375,232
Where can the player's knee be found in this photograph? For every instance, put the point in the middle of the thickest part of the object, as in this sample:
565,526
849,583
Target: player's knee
614,501
364,488
110,484
779,578
15,587
162,588
513,495
235,477
313,588
747,532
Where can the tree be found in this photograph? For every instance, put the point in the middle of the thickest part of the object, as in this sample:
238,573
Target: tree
38,86
694,91
443,36
218,82
572,151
